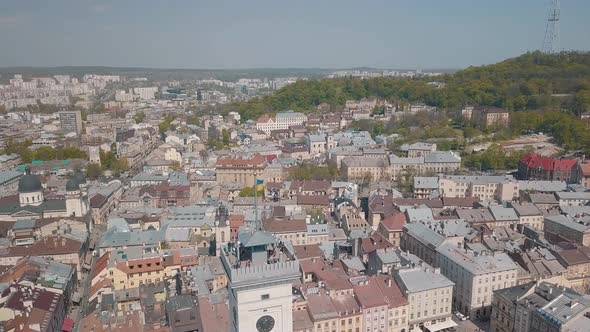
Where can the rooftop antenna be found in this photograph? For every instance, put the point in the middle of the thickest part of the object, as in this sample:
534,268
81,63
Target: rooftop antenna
551,41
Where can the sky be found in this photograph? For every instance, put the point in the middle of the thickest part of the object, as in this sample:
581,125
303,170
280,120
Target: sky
224,34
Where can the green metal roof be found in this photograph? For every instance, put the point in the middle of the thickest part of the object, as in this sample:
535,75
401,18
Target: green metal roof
21,168
37,162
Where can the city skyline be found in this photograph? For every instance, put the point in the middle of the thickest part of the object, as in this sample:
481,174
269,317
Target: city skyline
265,34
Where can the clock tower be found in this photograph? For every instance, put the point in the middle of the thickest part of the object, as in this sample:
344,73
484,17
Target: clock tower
261,271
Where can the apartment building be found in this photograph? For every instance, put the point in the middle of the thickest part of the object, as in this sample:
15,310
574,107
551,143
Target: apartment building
486,188
365,169
537,307
476,276
529,215
429,295
433,162
485,117
280,121
71,122
569,228
242,172
415,150
423,238
132,267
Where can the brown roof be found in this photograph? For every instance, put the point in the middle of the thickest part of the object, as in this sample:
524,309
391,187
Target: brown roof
214,317
301,321
285,226
394,222
312,265
315,200
141,265
393,294
256,161
461,202
48,246
101,264
308,251
431,203
98,201
369,294
374,242
321,307
574,256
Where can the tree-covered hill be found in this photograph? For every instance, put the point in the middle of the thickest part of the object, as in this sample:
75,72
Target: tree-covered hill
529,82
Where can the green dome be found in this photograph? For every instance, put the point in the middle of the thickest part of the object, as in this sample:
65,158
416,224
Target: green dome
29,183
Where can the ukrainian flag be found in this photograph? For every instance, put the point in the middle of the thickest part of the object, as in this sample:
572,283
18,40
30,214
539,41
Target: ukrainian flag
259,184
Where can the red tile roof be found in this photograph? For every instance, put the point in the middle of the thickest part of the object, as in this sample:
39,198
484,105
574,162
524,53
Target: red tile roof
256,161
369,294
394,222
533,160
376,241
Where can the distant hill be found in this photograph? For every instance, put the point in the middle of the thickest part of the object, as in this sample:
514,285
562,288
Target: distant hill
528,82
161,74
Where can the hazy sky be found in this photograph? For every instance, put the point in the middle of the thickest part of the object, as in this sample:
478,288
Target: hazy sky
280,33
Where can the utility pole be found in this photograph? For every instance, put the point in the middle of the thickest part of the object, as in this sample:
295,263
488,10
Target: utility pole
551,41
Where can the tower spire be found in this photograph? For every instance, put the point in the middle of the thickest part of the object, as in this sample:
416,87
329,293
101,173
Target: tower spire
551,41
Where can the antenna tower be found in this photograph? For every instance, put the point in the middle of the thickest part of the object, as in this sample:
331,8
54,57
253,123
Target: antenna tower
551,41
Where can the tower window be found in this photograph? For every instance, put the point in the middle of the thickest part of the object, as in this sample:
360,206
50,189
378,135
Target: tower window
264,296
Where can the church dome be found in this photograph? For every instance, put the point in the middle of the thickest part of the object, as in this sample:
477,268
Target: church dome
75,181
29,183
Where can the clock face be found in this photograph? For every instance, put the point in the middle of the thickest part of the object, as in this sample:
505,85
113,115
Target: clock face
265,323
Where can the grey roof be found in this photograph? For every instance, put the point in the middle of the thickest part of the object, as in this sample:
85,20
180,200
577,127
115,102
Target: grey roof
575,210
421,279
20,224
116,238
442,157
477,263
480,179
354,262
388,256
543,199
542,186
526,209
395,160
365,162
566,195
47,205
425,182
416,146
501,213
317,229
6,176
419,214
569,222
515,293
256,238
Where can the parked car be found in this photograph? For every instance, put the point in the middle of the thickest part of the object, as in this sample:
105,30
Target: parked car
460,316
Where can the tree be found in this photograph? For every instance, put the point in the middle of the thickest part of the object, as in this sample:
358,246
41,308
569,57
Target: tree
175,166
249,192
93,171
139,117
225,136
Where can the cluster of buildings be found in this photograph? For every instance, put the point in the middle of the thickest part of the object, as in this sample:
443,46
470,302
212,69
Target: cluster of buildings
211,229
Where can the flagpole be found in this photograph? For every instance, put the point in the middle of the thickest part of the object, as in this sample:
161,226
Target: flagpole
256,201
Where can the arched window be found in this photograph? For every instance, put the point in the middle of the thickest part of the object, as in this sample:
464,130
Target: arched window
222,236
27,199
